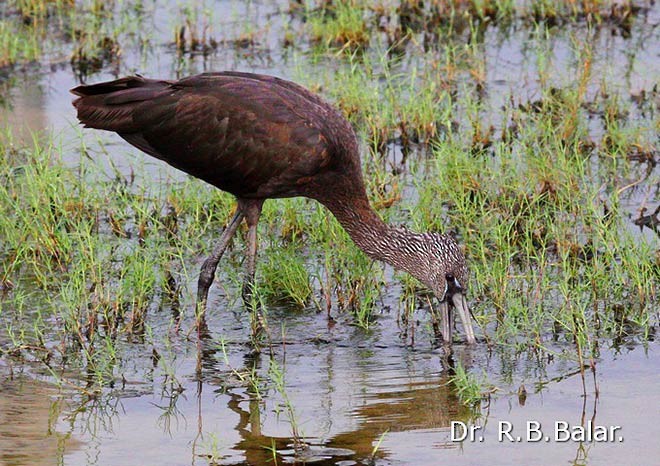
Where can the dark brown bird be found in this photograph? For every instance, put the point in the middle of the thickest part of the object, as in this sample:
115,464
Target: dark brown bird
259,137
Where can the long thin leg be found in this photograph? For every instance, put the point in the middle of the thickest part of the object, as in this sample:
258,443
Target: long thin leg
252,211
207,273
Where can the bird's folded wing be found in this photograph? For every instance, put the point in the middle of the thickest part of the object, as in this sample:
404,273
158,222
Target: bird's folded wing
244,136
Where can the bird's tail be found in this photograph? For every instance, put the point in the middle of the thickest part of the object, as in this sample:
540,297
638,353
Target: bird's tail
110,105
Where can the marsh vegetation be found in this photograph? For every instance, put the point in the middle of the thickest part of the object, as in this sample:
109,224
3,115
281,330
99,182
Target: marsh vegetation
529,130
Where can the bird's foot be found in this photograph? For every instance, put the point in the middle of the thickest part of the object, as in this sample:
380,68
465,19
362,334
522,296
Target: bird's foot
200,316
259,329
250,295
206,276
258,326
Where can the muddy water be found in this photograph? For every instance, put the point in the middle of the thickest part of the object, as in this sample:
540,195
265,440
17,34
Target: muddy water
348,392
29,417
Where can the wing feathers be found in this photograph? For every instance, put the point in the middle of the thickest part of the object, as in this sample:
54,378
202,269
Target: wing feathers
251,135
111,105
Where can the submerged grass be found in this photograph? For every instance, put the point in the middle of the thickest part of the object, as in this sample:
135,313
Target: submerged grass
97,254
541,202
340,24
87,34
469,388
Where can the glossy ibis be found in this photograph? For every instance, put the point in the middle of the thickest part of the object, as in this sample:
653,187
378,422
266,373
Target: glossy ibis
259,137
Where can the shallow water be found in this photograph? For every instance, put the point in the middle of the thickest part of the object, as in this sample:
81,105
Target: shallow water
28,426
347,392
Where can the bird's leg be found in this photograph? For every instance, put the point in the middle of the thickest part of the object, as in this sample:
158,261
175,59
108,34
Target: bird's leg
252,211
207,273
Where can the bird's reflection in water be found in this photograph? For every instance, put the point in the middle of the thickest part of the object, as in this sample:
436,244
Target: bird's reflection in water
405,405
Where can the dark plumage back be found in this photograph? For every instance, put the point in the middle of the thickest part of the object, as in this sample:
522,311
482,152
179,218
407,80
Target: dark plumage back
100,105
252,135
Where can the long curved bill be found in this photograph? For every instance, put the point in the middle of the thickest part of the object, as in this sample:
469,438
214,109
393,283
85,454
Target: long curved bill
464,314
445,322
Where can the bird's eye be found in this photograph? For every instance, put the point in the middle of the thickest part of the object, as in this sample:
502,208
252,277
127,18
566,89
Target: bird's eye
453,284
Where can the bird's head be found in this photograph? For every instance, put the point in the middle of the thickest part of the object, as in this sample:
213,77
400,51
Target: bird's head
447,277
